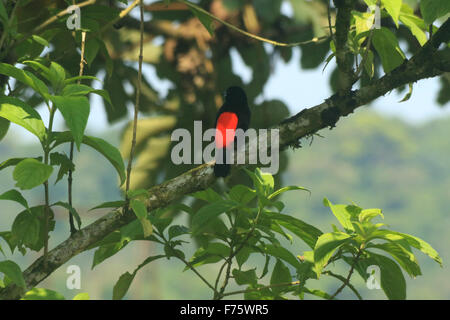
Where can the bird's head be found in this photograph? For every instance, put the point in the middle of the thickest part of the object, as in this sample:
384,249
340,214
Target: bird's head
235,95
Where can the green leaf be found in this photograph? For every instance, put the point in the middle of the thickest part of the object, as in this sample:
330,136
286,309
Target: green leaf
177,230
308,233
42,294
282,253
344,213
75,111
386,44
25,77
106,149
82,296
75,79
82,90
57,76
325,247
26,227
212,254
71,209
208,195
147,227
393,7
392,280
404,257
245,277
413,241
433,9
368,214
141,194
110,204
4,126
16,196
242,194
210,211
30,173
59,159
206,20
409,94
122,285
280,274
13,161
20,113
12,271
288,188
416,25
139,208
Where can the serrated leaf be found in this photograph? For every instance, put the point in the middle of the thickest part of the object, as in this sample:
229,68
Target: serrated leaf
26,227
30,173
13,272
59,159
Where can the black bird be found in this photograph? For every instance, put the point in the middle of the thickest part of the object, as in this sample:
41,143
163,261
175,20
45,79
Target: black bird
234,114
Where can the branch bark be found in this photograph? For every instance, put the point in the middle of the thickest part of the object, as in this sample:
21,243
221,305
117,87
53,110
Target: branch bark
428,62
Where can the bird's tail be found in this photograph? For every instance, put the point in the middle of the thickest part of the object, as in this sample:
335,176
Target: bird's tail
222,169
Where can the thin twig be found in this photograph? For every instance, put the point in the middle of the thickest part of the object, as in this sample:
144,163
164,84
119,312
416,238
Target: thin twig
248,34
284,284
122,14
136,105
347,280
341,278
69,179
49,21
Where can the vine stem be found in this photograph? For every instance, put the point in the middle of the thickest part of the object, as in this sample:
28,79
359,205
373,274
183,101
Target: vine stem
284,284
46,189
248,34
138,94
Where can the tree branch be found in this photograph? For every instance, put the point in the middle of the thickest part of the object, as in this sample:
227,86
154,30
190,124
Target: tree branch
343,55
428,62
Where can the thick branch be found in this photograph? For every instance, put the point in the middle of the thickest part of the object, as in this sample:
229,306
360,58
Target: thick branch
428,62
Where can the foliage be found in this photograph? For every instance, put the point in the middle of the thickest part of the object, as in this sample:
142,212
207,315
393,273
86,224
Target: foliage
198,64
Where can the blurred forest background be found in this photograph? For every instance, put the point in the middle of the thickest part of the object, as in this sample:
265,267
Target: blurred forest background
369,158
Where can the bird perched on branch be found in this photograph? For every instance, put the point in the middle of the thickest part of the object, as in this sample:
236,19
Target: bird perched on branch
234,114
